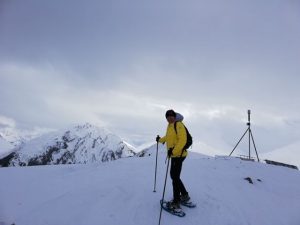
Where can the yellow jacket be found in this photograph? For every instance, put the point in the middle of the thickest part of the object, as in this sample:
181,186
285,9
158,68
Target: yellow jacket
176,141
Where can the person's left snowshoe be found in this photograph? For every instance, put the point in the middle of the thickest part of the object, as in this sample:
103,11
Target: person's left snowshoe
186,201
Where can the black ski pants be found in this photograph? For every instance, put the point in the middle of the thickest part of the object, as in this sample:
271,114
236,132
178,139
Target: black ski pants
178,187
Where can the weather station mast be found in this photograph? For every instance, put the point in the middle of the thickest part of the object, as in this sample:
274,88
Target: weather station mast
250,135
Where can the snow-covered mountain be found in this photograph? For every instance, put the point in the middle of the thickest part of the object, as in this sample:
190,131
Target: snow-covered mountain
17,137
121,192
13,136
5,146
79,144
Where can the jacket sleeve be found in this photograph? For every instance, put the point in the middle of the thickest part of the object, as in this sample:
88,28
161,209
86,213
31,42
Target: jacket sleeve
163,139
181,139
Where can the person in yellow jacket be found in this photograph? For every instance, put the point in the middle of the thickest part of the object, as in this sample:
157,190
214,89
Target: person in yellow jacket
175,144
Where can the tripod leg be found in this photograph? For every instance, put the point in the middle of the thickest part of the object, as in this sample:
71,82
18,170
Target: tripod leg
239,142
254,144
249,143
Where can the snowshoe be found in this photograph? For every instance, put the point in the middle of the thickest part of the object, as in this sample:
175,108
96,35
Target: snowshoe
189,204
171,208
186,201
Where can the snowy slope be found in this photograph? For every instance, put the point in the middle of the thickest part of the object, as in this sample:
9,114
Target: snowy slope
121,192
13,136
79,144
289,154
151,150
5,146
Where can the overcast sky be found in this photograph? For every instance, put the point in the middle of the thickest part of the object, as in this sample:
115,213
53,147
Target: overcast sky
121,64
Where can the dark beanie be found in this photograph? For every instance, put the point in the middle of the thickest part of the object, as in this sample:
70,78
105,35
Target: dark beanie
170,112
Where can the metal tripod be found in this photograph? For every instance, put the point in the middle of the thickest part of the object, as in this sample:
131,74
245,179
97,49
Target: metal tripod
250,138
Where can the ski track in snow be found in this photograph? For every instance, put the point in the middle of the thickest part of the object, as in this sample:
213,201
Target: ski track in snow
121,192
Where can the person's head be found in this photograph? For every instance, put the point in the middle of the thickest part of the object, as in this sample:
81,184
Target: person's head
171,116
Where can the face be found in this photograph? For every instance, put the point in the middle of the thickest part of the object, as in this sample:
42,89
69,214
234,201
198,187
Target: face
171,119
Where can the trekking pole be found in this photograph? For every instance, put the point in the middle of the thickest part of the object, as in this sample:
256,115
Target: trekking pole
155,166
163,197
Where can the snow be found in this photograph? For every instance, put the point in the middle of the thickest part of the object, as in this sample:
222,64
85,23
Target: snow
5,147
288,154
11,138
121,192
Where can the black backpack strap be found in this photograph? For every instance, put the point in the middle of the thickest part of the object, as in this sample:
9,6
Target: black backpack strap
175,127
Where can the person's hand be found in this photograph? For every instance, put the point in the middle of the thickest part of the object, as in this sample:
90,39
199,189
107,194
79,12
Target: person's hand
170,152
157,138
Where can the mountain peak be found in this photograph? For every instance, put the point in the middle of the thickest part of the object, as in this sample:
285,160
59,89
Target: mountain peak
84,126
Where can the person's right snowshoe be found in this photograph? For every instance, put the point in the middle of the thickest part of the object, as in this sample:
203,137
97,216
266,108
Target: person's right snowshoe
173,208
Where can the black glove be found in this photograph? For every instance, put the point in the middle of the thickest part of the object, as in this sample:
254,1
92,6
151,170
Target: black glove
157,138
170,152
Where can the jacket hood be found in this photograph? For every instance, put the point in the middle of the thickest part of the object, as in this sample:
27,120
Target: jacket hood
179,117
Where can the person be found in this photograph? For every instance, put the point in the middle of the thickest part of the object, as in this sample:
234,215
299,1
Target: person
176,140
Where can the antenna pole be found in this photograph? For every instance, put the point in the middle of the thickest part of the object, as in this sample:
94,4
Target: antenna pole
250,138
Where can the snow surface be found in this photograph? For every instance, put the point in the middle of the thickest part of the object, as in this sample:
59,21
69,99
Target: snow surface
121,192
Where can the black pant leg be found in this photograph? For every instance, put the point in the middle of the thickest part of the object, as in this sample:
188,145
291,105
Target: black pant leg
178,186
